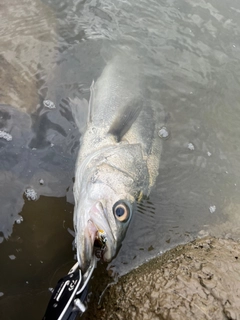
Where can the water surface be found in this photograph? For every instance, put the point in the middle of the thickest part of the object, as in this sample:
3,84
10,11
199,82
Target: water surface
53,50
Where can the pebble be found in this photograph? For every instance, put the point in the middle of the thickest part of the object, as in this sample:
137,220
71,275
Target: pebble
12,257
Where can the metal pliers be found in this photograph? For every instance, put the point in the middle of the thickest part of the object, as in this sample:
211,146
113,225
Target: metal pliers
68,297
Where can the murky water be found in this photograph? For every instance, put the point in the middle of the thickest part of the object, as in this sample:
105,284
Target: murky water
53,50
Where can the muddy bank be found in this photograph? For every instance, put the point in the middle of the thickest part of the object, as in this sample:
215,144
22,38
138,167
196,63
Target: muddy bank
200,280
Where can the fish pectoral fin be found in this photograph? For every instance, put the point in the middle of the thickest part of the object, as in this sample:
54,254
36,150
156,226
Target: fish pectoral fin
80,112
125,119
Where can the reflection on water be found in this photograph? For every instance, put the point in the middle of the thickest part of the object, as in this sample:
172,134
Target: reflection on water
39,262
52,50
40,158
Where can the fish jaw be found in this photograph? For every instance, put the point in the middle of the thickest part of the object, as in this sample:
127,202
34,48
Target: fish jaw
93,227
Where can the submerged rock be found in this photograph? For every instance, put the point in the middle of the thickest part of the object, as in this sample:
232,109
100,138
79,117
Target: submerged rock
199,280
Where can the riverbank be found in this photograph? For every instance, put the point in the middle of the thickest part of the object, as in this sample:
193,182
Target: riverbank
199,280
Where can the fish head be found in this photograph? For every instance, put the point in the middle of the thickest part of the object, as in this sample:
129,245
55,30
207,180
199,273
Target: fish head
102,214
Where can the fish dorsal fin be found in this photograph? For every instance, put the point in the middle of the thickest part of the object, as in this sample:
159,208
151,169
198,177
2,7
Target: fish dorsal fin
125,119
90,105
82,110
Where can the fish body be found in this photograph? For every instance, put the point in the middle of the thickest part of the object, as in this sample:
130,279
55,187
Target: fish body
118,158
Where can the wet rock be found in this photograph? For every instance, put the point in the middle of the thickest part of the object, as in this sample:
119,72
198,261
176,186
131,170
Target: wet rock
200,280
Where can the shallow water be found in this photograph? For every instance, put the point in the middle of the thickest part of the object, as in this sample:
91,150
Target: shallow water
53,50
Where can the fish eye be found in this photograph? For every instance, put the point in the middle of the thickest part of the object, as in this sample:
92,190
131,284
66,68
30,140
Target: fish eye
121,211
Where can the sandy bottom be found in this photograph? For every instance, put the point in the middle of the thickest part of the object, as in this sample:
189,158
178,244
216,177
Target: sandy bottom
199,280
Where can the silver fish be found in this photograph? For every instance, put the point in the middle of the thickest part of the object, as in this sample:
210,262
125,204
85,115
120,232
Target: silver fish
118,159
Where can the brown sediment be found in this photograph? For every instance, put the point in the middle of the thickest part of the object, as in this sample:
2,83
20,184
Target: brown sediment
199,280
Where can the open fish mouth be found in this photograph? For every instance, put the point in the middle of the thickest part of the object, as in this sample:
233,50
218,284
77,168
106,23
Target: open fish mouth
100,244
100,232
96,238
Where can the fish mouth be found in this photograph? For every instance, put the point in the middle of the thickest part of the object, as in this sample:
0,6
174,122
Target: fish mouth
100,241
100,244
97,238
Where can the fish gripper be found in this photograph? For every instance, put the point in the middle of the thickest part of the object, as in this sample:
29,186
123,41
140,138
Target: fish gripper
69,295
